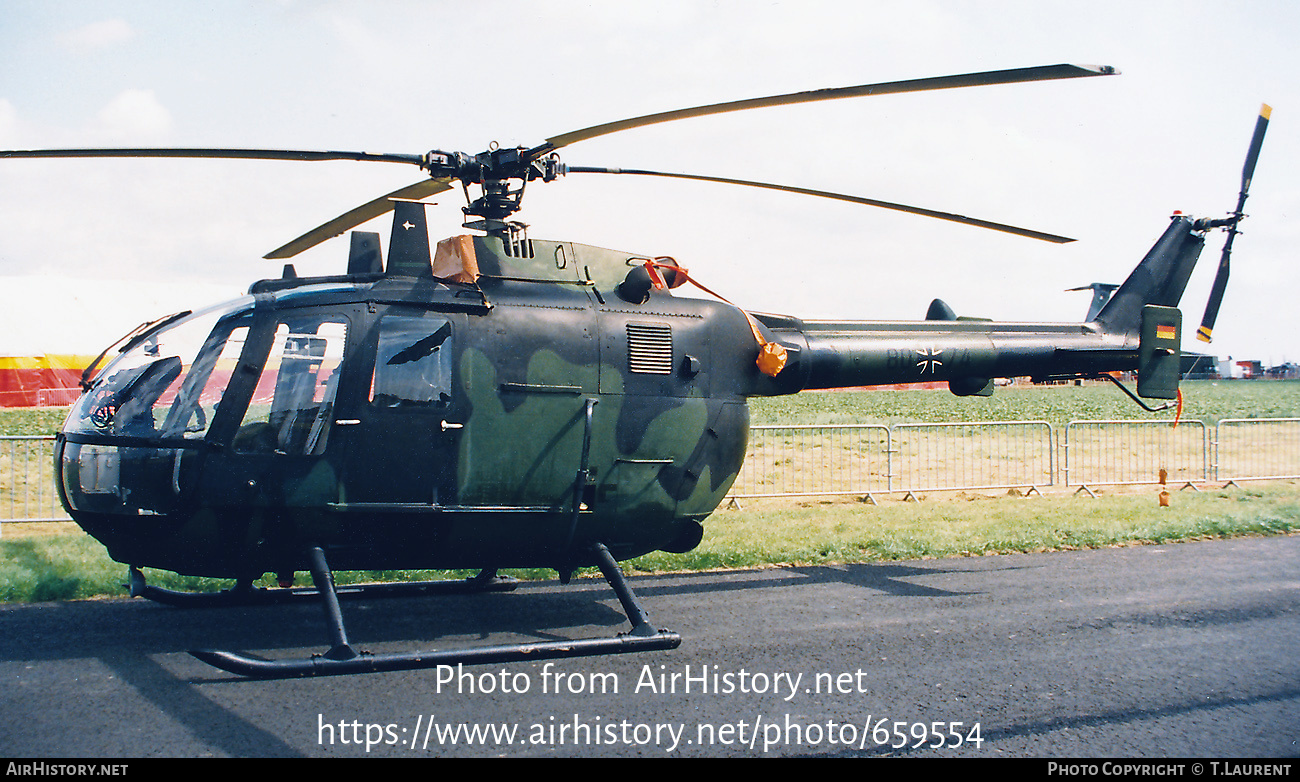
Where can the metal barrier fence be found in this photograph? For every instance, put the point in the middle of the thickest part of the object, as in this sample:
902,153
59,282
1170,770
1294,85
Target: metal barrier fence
1103,453
815,460
27,480
870,459
1248,449
974,455
823,460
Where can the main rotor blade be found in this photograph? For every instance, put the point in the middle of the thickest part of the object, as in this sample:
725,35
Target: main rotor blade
199,152
1040,73
361,214
916,210
329,230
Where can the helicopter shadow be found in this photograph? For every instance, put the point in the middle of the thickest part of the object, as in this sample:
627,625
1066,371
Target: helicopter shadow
896,579
535,610
119,631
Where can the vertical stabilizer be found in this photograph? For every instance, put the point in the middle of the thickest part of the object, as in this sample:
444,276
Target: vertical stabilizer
1159,279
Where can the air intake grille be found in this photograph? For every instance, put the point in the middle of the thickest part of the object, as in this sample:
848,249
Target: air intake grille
650,348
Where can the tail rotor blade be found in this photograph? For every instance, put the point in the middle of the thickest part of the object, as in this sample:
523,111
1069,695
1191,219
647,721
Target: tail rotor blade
1206,330
1256,141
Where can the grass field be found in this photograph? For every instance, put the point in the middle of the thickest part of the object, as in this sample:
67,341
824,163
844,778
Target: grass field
27,422
57,561
1203,400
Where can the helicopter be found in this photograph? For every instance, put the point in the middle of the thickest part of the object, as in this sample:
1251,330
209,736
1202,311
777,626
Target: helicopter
493,401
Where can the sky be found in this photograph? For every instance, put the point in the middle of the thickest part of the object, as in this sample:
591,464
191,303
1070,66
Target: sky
90,248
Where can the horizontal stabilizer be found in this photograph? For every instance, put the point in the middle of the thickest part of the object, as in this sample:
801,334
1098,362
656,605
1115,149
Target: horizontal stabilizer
1101,292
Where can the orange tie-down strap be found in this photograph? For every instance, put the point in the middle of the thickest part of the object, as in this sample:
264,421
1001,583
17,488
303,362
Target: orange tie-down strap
771,355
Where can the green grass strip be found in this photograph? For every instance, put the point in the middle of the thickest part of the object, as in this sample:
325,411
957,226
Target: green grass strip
59,562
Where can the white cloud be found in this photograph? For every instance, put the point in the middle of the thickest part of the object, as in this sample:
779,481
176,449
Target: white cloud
97,35
134,115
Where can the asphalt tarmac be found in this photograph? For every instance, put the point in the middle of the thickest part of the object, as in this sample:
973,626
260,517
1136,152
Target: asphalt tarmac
1170,651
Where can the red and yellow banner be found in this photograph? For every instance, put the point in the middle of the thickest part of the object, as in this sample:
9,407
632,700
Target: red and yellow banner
50,380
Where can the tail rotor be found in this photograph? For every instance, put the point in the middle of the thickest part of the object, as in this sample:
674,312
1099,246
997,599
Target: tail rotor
1221,278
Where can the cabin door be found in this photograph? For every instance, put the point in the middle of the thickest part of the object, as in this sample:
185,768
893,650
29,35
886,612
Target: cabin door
404,428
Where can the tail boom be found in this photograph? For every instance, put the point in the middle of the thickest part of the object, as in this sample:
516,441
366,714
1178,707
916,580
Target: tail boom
1138,329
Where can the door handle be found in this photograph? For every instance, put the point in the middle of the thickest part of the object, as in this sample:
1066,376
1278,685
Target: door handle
446,426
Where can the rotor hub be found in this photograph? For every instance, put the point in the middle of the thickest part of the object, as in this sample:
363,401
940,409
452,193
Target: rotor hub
493,171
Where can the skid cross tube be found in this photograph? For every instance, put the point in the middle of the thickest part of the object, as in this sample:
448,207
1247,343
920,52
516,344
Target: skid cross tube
343,659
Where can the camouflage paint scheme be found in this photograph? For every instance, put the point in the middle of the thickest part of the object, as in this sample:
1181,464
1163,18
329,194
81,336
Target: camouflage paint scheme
550,360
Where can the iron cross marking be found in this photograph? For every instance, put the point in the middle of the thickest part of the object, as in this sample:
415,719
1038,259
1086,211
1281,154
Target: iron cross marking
929,360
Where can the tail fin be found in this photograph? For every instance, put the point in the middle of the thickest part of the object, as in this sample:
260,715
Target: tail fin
1159,279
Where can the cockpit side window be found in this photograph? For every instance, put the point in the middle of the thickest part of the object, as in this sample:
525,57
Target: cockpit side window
292,408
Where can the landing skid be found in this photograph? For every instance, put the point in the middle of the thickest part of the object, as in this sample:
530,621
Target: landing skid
342,658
